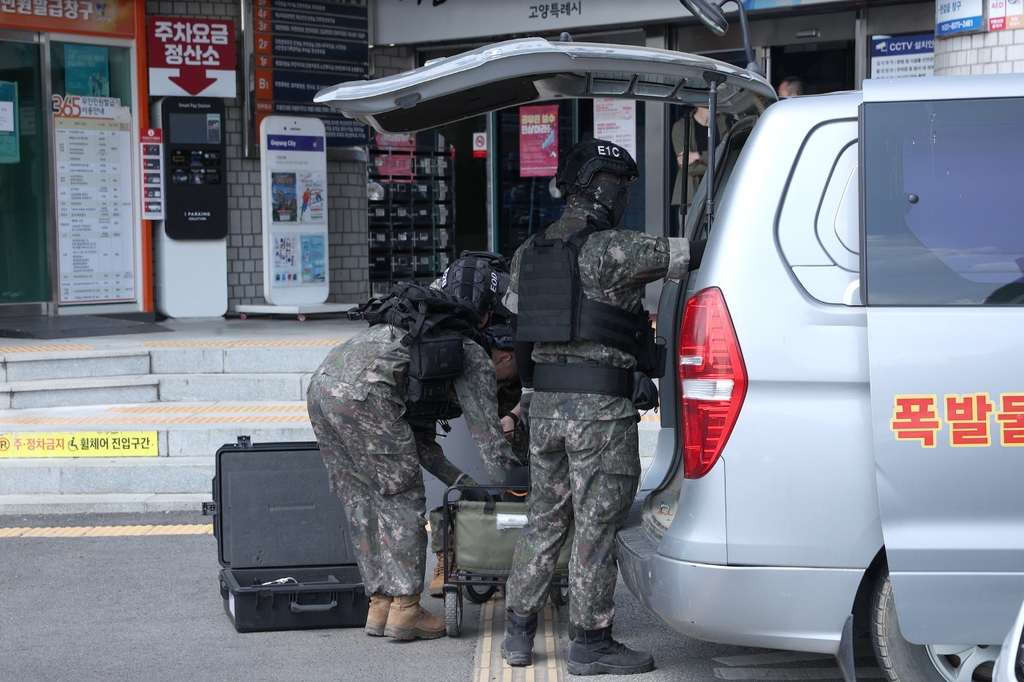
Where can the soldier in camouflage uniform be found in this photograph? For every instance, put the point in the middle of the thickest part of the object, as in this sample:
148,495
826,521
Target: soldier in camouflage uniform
584,458
357,406
499,340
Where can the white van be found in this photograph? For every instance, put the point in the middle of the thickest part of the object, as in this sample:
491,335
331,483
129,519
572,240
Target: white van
842,426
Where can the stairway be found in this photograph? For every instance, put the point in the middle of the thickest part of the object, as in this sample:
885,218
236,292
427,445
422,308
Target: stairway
196,396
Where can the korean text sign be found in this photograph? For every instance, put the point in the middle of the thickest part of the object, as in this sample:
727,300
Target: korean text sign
112,17
958,16
538,141
191,57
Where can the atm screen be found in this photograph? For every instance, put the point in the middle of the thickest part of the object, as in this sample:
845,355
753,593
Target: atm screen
195,129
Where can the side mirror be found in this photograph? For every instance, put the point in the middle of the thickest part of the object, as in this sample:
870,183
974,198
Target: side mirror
709,13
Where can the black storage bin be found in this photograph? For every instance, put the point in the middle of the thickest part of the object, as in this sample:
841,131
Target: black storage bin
283,540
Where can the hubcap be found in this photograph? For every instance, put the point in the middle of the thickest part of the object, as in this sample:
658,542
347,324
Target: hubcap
964,663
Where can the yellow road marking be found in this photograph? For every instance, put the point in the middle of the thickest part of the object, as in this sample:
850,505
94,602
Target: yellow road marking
32,349
228,344
106,531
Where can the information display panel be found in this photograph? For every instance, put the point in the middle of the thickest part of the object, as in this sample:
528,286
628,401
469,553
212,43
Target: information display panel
95,233
293,165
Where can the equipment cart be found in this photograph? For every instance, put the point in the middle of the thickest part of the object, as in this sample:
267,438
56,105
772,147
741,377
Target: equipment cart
482,534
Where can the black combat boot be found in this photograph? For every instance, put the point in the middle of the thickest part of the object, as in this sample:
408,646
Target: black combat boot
594,652
517,648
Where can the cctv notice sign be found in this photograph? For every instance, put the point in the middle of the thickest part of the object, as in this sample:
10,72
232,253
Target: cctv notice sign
902,56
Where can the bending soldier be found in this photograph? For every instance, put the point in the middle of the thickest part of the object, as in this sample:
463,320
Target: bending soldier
576,291
374,403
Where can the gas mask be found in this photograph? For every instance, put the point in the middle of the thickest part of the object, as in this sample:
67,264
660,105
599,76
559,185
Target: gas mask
610,195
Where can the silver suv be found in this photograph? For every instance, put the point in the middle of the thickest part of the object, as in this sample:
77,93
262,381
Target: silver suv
842,426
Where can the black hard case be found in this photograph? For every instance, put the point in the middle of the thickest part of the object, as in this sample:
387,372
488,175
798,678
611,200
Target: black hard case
275,517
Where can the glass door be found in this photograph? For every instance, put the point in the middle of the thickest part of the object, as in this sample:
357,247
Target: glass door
24,275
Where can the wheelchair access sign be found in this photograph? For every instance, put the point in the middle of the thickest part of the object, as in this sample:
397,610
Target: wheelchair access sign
79,444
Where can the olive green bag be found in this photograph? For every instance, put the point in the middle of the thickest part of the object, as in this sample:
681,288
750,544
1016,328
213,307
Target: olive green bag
486,534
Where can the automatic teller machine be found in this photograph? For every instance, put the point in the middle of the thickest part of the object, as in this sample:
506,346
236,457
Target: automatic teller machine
190,244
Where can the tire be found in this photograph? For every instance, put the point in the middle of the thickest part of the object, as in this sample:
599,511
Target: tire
453,611
559,595
480,595
905,662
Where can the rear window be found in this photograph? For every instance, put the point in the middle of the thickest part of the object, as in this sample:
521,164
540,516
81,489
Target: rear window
943,182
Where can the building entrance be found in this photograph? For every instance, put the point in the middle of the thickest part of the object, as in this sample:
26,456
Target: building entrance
24,276
823,67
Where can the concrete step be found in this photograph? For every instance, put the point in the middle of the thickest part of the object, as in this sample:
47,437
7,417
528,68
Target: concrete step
101,504
183,429
106,475
279,358
19,395
35,366
150,388
201,387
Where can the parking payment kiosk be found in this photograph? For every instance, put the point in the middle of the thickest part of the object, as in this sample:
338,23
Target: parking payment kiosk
190,244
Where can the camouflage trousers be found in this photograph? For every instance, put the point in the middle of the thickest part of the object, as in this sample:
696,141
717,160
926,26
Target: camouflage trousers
583,469
371,459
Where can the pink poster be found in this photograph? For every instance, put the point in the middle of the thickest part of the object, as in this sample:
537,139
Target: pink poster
538,141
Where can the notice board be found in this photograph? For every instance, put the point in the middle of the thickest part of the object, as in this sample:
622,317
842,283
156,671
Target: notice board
95,230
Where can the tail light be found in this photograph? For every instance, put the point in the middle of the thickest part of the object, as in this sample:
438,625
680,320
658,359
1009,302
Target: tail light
713,380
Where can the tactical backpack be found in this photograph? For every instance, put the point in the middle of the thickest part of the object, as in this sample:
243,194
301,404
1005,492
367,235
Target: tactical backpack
435,323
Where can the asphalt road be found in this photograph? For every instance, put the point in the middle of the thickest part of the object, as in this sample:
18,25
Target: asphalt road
149,608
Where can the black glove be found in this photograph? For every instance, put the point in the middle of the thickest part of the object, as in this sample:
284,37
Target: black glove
697,253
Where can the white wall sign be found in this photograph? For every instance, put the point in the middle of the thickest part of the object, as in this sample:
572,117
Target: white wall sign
615,121
902,56
95,226
958,16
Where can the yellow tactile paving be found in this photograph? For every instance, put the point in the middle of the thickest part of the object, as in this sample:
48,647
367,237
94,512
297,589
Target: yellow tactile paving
176,414
491,667
232,344
192,409
33,349
106,531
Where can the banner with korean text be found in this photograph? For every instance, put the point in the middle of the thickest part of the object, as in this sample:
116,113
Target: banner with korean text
538,141
191,57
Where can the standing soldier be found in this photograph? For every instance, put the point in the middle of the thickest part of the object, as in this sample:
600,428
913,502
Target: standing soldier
374,403
576,289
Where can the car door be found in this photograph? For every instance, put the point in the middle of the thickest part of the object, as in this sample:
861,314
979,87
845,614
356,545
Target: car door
530,70
943,276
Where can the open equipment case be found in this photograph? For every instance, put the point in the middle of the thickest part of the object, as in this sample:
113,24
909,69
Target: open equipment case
282,538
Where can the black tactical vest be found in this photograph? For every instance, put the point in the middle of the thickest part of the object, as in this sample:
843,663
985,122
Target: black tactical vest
553,309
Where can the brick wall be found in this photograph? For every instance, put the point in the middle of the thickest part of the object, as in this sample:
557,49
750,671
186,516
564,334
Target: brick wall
980,53
346,184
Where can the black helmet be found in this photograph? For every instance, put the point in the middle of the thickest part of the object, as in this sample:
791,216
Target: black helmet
578,167
474,280
499,337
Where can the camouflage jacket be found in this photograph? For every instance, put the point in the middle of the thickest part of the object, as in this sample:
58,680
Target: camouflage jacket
615,267
375,361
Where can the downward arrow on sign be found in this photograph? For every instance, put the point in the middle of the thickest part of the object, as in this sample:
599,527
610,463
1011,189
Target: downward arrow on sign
192,79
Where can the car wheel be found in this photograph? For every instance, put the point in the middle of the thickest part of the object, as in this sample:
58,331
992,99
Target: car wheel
906,662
